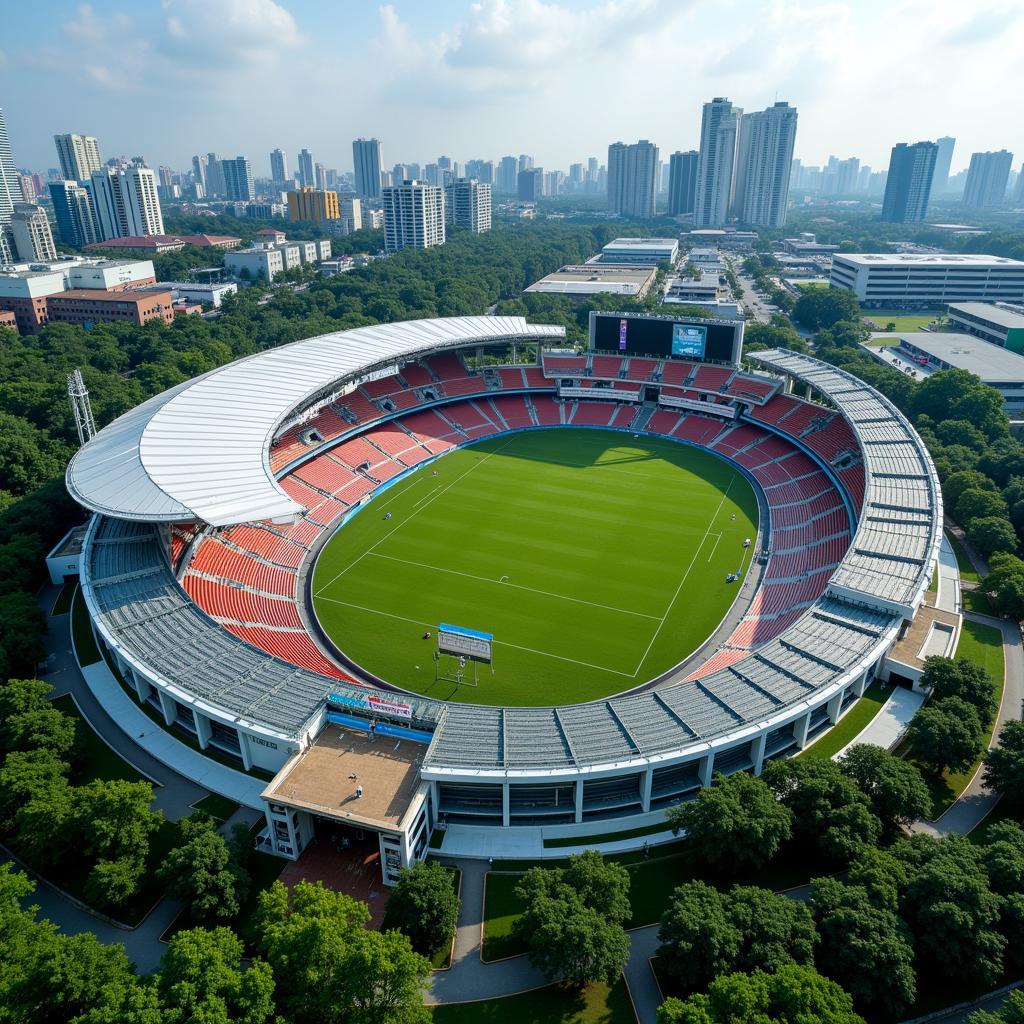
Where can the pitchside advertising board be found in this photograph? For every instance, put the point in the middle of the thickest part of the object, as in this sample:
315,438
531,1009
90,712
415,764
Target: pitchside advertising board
648,334
467,643
374,704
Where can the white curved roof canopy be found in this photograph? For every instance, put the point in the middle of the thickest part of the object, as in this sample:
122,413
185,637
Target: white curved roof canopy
199,450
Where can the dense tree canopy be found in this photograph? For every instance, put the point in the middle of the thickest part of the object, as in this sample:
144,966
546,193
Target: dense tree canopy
424,906
1004,764
823,307
895,789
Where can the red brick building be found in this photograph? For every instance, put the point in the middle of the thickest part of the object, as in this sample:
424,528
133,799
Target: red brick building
81,305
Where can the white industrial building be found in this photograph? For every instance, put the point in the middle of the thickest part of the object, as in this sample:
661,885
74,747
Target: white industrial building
643,251
927,280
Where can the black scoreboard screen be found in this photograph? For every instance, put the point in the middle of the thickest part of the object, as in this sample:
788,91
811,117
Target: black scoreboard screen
666,336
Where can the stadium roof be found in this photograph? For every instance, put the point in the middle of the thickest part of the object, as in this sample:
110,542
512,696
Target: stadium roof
199,450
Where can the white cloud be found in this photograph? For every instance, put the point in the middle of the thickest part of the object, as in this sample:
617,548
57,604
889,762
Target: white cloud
227,33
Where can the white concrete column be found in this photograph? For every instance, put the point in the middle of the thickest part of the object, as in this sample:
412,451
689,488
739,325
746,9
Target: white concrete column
203,728
243,746
834,706
861,684
504,803
646,780
168,707
142,688
707,768
800,727
578,818
757,752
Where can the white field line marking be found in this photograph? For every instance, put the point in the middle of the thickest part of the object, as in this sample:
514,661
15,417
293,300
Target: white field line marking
715,548
499,643
412,515
517,586
685,576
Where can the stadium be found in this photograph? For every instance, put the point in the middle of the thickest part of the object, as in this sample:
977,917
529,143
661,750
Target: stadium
431,586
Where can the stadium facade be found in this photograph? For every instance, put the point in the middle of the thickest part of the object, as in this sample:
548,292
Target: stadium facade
210,502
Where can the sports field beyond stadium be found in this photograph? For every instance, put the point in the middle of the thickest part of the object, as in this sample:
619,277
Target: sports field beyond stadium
598,561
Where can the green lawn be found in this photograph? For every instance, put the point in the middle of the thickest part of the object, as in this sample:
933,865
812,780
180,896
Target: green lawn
963,562
605,837
81,628
811,284
652,880
976,601
216,806
596,559
904,321
556,1004
62,605
984,646
852,723
95,760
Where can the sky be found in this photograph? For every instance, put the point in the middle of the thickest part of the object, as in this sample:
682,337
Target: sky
165,79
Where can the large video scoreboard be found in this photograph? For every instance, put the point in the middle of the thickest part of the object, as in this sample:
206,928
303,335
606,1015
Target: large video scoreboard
665,336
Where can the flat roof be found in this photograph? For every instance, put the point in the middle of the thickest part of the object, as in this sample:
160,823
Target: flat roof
987,311
324,777
96,295
966,352
641,243
945,259
596,277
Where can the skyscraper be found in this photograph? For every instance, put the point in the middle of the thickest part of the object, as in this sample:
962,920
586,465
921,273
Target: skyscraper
632,178
199,172
79,156
307,172
719,129
468,205
238,182
30,231
909,184
413,215
366,159
310,204
10,183
125,202
72,206
762,180
682,182
214,175
530,184
507,171
986,179
278,165
940,179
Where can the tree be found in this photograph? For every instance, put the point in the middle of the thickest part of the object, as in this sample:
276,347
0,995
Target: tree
571,928
40,825
864,947
699,940
960,395
424,906
1004,585
828,809
201,871
822,307
1004,764
39,729
22,627
992,535
793,995
946,734
734,824
328,967
947,677
951,908
894,787
26,775
201,978
776,930
18,696
979,503
1011,1012
1003,857
967,479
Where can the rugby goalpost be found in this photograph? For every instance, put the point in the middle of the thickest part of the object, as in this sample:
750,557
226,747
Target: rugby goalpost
460,653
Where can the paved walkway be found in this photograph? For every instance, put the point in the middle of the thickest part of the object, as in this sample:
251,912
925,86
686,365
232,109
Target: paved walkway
891,722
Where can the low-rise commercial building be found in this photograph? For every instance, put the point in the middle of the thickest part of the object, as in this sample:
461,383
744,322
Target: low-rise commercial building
594,279
8,319
641,251
167,243
722,238
926,352
261,263
927,280
190,292
704,289
807,244
85,306
999,323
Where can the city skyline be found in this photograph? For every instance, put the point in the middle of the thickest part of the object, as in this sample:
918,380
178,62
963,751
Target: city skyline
467,85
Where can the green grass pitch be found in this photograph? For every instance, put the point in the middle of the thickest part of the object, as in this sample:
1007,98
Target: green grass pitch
597,560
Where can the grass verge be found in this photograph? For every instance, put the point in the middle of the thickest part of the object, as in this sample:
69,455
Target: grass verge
94,759
851,724
218,807
556,1004
81,628
605,837
67,594
963,561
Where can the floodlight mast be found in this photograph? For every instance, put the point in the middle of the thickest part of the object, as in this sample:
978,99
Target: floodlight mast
81,407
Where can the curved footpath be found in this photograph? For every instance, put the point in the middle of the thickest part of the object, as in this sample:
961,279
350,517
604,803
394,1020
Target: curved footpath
469,978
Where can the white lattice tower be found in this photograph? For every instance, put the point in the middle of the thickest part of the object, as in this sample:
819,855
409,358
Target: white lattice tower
79,395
